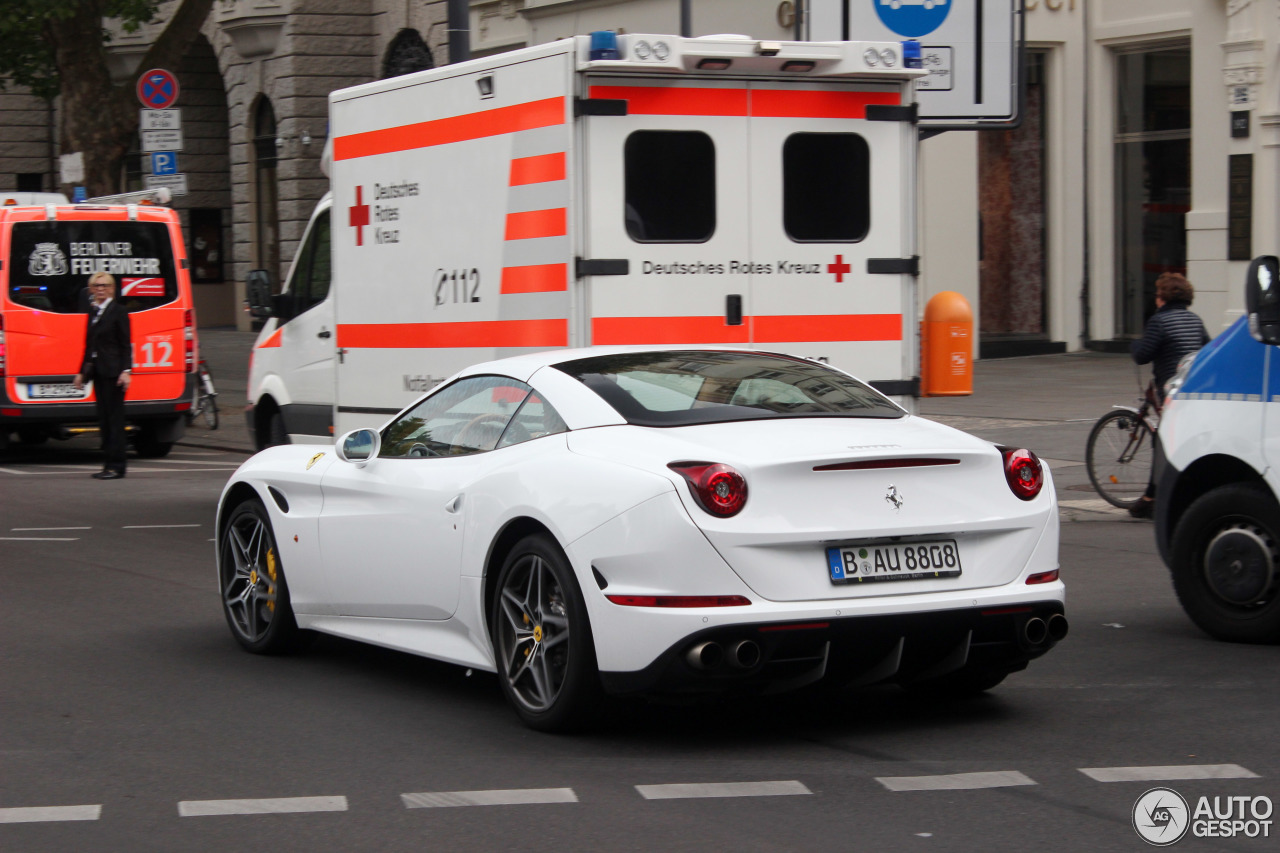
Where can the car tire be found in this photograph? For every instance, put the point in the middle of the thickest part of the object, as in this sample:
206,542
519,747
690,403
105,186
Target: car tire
255,595
148,446
1226,564
541,635
276,432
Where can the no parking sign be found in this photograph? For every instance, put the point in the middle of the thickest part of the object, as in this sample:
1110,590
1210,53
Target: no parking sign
158,89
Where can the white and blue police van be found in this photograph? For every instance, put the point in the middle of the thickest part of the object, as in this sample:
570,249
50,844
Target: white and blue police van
1217,450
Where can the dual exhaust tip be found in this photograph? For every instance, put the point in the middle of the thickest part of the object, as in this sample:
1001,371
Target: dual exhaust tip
708,655
1037,631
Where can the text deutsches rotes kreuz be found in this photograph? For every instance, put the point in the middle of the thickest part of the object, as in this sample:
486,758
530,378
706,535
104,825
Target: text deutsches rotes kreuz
384,213
731,268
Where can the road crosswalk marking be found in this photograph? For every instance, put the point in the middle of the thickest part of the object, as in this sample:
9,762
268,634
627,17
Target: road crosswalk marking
1169,773
956,781
510,797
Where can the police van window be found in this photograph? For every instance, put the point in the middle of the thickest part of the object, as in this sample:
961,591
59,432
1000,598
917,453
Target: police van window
50,262
670,186
826,187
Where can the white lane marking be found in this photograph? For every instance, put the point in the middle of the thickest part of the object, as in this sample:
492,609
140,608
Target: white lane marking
1168,773
155,526
197,453
1061,463
511,797
1090,504
956,781
42,814
14,471
39,538
36,529
276,805
195,462
722,789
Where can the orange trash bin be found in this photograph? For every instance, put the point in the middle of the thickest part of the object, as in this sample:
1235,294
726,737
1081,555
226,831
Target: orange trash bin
946,346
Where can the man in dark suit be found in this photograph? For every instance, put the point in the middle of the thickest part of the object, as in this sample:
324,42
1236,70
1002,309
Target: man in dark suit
108,360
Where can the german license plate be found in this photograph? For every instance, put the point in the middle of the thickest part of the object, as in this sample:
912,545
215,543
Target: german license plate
894,561
59,391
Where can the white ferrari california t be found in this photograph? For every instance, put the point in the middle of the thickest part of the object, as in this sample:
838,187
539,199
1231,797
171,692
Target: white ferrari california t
653,521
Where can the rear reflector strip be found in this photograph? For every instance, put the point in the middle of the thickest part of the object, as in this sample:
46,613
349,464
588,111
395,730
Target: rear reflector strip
871,464
807,626
679,600
1043,577
1003,611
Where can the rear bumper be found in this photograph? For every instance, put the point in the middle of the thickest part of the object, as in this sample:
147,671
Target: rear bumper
14,413
848,651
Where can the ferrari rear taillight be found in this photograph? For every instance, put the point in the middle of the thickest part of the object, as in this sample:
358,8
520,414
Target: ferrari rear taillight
1023,471
718,488
189,338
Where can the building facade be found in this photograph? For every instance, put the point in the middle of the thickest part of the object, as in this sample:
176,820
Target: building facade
1149,141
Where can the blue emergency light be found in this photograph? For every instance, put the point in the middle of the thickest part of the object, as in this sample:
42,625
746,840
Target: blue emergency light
604,45
911,54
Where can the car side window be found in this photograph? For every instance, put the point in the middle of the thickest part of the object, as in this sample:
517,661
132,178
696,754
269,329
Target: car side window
469,416
535,419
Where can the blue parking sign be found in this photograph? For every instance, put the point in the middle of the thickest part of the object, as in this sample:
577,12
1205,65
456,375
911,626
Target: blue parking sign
912,18
164,162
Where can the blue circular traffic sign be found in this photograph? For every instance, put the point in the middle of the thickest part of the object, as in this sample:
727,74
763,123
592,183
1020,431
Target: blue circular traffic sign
158,89
912,18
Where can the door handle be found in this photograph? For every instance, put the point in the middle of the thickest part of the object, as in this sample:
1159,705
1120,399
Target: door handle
454,505
324,333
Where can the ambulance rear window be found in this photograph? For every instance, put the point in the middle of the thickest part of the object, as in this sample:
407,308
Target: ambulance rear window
670,186
50,263
826,187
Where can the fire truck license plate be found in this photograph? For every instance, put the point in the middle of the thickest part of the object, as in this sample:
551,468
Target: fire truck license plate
61,391
894,561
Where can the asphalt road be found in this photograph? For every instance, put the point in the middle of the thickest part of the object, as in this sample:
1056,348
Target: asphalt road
131,721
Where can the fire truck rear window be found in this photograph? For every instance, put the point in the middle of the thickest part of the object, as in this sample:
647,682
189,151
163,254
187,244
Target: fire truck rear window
826,187
50,264
670,186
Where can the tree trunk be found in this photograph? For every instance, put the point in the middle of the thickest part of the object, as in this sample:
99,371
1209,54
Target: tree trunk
97,118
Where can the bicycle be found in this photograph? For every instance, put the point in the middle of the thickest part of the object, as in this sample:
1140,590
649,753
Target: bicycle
1120,449
204,398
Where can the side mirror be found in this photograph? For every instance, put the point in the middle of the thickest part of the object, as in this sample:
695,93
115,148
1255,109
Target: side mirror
1262,298
257,292
359,446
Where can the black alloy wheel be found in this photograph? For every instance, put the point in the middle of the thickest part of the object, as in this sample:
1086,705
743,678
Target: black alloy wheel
255,597
542,638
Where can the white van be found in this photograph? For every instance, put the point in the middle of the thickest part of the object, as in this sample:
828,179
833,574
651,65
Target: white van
1217,451
603,189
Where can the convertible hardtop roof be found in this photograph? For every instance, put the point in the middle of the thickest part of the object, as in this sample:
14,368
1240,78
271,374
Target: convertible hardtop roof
524,366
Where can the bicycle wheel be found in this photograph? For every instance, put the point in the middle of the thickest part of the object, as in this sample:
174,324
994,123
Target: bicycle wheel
1119,456
209,410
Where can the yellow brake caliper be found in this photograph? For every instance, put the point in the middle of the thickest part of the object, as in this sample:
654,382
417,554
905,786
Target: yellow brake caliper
271,573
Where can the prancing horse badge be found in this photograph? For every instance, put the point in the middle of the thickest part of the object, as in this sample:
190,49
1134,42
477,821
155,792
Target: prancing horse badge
894,498
316,458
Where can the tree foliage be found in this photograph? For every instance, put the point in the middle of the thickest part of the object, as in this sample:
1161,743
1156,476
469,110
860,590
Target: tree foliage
58,48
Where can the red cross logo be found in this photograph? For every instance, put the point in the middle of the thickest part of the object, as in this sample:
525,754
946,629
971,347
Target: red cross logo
359,215
839,268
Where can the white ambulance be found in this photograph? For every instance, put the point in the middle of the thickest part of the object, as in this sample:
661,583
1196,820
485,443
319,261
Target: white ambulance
628,189
1217,475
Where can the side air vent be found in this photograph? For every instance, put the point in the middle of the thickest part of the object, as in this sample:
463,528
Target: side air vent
278,498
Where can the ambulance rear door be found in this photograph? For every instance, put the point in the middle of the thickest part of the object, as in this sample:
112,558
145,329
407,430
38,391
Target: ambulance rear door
667,256
832,236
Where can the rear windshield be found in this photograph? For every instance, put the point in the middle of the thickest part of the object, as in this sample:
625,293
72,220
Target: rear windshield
50,262
696,387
